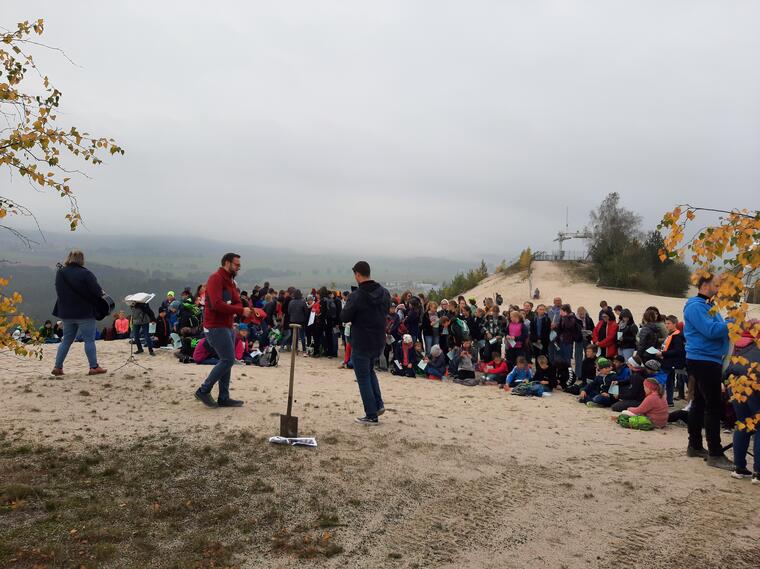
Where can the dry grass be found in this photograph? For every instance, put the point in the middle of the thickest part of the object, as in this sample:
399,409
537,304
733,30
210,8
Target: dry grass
160,502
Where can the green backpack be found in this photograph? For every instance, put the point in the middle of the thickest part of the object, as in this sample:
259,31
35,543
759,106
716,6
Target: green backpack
638,422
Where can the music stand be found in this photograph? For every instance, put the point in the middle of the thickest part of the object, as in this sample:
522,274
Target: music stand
131,360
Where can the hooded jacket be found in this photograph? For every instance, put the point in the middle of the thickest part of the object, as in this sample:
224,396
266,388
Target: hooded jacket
706,334
366,309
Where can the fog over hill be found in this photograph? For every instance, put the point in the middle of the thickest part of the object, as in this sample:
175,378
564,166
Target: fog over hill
128,264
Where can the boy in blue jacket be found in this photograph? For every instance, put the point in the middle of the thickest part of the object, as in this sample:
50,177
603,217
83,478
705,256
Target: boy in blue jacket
520,373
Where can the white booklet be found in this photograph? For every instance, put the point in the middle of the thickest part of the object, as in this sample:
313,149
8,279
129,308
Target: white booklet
422,365
294,441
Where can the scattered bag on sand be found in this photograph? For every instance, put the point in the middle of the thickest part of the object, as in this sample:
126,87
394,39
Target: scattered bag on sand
528,389
295,441
638,422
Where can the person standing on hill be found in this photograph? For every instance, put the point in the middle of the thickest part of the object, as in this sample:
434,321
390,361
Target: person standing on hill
77,288
366,310
222,304
706,345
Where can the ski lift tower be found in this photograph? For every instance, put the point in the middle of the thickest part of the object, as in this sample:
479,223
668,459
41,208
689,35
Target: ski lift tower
565,235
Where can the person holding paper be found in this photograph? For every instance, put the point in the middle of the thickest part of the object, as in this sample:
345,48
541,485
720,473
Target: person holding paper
366,309
436,363
649,336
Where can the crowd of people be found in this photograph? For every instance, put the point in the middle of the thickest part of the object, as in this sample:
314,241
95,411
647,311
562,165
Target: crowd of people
634,366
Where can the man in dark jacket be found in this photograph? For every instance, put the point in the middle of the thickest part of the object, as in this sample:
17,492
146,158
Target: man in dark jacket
366,309
77,290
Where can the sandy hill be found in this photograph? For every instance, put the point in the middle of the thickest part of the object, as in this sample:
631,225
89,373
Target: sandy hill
552,279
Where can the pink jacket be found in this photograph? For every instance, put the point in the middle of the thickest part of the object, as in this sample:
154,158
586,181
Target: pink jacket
655,408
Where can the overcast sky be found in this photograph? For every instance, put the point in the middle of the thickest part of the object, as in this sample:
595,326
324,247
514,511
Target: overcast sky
443,128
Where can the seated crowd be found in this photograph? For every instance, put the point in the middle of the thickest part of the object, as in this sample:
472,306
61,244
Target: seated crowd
636,369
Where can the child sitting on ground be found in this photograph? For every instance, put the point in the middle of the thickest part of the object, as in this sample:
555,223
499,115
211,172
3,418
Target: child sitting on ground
520,373
419,355
406,357
436,363
601,383
654,407
588,365
464,361
545,373
495,371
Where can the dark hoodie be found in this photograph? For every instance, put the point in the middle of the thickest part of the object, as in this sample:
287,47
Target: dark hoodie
366,309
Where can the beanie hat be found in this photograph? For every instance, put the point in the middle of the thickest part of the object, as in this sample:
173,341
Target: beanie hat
243,327
653,365
603,362
170,293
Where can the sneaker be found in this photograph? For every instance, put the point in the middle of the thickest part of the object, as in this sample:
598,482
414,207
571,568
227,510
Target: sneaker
720,462
367,421
756,478
740,473
230,403
205,398
696,452
380,411
152,353
57,371
139,352
96,371
592,404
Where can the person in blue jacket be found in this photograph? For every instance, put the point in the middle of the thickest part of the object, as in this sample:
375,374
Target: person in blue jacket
706,345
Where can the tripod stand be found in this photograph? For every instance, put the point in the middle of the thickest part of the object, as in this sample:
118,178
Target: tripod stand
132,360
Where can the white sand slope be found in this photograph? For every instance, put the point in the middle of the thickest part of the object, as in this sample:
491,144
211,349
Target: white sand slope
553,280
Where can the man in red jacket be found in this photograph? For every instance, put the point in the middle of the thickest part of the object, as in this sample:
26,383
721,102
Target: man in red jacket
222,304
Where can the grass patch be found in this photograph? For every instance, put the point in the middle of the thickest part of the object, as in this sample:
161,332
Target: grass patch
158,502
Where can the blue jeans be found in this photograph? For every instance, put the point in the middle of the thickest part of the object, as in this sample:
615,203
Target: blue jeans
566,352
223,342
741,438
603,401
369,387
142,330
627,352
431,341
86,329
434,371
578,348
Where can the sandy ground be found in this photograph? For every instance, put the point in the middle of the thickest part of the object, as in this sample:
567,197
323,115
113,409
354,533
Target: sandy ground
552,280
454,477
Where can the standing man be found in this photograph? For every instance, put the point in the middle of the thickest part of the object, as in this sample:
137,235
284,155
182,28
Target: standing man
366,309
77,290
706,346
222,304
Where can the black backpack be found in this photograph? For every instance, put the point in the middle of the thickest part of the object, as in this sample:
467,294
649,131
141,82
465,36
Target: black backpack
328,310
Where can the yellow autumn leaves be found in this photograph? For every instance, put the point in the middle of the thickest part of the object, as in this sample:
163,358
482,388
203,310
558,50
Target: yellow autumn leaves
730,247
